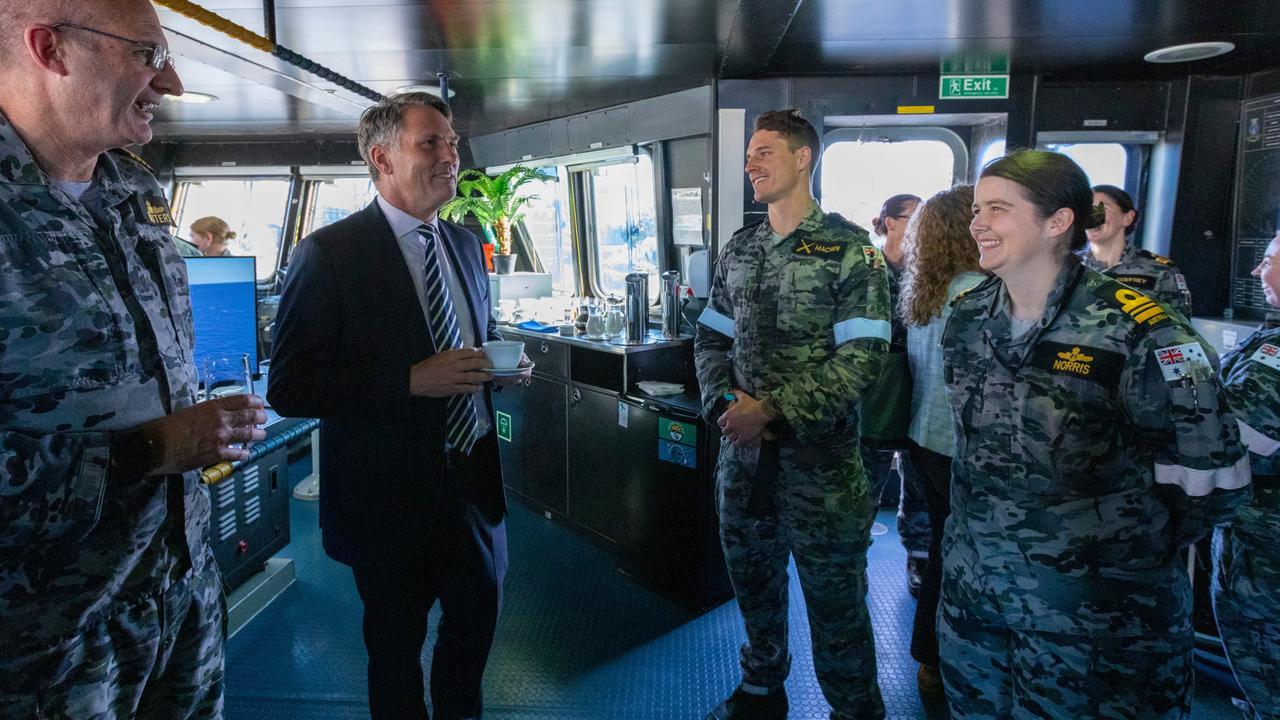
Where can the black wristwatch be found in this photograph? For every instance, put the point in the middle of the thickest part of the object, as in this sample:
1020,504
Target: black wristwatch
134,453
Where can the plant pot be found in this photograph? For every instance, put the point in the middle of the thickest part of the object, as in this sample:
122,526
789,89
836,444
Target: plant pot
504,264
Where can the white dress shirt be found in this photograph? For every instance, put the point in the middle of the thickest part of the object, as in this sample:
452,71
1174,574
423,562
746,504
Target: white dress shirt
405,227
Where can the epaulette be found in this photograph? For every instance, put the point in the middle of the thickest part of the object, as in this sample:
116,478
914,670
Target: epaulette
1145,311
976,288
1152,256
840,220
748,227
134,157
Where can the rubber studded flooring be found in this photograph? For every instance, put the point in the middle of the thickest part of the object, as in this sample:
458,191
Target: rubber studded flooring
577,640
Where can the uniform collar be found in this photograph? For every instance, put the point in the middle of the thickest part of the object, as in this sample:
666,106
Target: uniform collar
1090,261
811,223
18,167
998,322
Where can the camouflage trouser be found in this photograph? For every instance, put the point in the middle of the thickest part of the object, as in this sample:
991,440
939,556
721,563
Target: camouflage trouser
993,671
161,658
1246,602
913,512
816,511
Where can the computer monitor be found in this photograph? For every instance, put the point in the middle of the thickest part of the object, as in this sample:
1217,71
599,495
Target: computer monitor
224,308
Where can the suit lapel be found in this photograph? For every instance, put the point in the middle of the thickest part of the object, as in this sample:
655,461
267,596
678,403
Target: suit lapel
388,270
466,259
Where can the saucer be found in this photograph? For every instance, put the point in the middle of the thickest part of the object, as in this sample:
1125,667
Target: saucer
507,372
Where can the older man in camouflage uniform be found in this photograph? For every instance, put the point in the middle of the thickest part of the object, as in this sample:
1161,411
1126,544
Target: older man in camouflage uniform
1246,588
110,602
1063,592
796,328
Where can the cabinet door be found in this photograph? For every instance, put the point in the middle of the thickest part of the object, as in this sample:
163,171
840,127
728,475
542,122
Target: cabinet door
531,440
595,472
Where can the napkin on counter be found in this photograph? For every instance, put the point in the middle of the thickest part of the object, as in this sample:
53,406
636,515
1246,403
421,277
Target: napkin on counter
535,326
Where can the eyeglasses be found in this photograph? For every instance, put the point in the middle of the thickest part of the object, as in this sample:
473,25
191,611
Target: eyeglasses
154,55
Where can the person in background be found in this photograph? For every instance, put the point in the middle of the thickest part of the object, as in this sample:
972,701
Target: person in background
1246,584
795,330
940,262
211,234
1092,444
913,516
1110,253
110,600
378,335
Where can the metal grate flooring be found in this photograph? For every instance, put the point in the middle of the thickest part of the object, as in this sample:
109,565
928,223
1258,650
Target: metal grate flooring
577,641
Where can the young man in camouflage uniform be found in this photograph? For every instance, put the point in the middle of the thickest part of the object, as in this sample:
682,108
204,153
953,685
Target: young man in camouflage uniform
1246,587
110,602
796,328
1155,275
1092,444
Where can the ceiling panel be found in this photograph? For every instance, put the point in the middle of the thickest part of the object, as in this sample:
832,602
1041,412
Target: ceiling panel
513,62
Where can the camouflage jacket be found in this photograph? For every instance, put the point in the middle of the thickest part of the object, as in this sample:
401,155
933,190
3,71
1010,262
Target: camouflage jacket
1087,454
1251,379
1153,274
803,319
95,337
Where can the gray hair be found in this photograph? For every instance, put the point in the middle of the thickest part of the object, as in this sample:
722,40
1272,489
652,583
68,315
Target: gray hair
382,124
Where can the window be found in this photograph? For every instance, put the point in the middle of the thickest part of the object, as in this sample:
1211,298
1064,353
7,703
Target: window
336,198
993,150
546,222
623,224
254,208
863,167
1104,163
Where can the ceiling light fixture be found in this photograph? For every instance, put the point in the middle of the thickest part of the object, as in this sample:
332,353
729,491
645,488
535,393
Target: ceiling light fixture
191,96
1188,52
429,89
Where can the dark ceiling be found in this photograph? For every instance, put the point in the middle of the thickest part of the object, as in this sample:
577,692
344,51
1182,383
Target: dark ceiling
514,62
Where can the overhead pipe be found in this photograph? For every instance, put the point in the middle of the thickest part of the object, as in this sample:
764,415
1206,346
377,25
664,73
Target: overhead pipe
269,19
267,45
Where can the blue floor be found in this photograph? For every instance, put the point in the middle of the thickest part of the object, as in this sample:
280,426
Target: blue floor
577,640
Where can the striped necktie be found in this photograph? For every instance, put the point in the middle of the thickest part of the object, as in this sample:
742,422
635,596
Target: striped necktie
461,426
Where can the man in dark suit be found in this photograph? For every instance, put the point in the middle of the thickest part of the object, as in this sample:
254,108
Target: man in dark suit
377,336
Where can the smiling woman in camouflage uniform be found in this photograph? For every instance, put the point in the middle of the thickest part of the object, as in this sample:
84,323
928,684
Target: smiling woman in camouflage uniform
1246,588
1091,446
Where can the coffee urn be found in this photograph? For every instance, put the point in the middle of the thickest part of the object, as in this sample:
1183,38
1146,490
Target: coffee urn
670,299
637,308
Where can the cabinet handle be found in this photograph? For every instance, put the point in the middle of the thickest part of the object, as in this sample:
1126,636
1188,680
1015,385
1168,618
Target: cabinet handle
542,348
576,396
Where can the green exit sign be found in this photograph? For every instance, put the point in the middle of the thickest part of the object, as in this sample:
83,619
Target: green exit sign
972,87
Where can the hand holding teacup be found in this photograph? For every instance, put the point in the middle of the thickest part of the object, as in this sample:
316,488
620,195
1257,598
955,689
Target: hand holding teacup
508,355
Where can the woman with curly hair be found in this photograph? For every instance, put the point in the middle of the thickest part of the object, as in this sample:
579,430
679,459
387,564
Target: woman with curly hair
940,261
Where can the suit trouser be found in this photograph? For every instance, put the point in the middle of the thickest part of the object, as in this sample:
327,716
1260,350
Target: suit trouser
462,565
815,511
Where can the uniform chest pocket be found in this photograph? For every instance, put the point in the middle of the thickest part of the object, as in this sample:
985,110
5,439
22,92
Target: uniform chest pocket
807,300
60,329
1069,430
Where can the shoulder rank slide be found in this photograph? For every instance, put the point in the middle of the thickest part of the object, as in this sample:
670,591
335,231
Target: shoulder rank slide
1146,312
1101,366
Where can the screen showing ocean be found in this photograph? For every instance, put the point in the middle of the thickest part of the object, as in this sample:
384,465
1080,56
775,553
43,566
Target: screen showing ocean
223,307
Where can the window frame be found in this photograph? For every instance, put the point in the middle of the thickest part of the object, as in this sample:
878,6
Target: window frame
892,134
582,184
186,176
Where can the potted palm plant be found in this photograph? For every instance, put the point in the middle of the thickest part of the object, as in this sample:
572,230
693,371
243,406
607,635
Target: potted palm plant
495,203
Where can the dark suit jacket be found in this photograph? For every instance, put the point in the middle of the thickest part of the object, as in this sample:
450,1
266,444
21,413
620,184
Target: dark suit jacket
349,327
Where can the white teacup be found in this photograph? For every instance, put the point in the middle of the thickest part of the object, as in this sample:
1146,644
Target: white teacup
504,354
